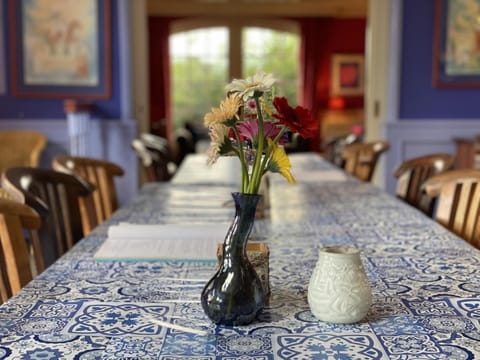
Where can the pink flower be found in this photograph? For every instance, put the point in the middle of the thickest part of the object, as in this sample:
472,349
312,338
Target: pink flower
252,104
249,129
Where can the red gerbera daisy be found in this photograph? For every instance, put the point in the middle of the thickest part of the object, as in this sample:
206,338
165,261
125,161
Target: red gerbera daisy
298,119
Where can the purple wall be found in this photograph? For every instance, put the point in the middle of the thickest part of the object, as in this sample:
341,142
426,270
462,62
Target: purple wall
418,98
17,108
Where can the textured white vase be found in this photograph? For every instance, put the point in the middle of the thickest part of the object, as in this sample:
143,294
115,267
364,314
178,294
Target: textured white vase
339,291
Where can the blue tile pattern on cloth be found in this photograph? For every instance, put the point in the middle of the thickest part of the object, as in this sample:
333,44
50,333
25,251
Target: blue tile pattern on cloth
425,283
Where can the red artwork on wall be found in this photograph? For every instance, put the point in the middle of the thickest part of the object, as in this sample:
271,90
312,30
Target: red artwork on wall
347,75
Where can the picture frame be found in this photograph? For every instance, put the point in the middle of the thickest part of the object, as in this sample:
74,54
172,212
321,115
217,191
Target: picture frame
456,51
347,77
60,48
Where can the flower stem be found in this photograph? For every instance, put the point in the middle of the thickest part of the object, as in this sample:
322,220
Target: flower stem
280,133
257,169
241,156
270,149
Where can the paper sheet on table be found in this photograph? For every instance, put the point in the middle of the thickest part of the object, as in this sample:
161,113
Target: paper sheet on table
317,176
194,170
320,176
162,242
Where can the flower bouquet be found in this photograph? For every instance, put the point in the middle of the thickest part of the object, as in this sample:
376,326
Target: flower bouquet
251,124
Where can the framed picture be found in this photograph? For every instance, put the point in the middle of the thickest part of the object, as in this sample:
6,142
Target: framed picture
347,75
456,53
60,48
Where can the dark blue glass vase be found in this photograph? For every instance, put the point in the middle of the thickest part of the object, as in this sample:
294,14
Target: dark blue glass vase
234,295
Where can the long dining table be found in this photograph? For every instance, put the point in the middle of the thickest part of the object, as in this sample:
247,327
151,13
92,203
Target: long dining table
425,280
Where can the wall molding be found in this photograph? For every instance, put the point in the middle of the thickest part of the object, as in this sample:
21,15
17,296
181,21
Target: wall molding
392,111
108,139
383,47
415,137
3,51
125,59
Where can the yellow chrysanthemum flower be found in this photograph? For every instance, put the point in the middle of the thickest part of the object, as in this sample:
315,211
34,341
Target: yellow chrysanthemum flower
214,116
218,133
279,162
230,105
226,111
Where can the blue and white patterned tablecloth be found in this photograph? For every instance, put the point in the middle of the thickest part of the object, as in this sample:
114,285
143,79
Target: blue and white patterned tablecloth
425,283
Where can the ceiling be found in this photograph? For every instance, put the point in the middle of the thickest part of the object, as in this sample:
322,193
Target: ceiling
313,8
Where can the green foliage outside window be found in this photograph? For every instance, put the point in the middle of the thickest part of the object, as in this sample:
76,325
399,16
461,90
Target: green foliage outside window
199,70
273,52
199,67
202,86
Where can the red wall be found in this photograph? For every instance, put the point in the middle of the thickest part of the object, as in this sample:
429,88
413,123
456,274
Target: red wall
336,36
340,36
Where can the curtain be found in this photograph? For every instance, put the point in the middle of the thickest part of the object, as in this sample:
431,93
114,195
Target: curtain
159,57
311,30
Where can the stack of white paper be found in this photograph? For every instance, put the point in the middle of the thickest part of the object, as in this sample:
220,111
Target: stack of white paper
167,242
194,170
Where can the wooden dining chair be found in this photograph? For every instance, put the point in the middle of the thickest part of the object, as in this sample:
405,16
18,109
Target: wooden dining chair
458,205
15,270
155,163
184,144
20,148
99,173
155,142
55,197
361,158
411,175
335,146
4,194
160,146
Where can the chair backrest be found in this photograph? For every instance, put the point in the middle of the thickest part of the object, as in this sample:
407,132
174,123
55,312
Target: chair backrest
4,194
184,144
163,158
361,158
411,175
458,204
20,148
155,167
297,144
155,142
15,271
335,146
55,197
101,174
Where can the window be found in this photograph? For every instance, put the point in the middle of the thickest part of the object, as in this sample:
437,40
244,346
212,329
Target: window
198,74
204,59
273,52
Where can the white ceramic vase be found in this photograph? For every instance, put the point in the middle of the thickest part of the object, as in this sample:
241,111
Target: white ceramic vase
339,291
